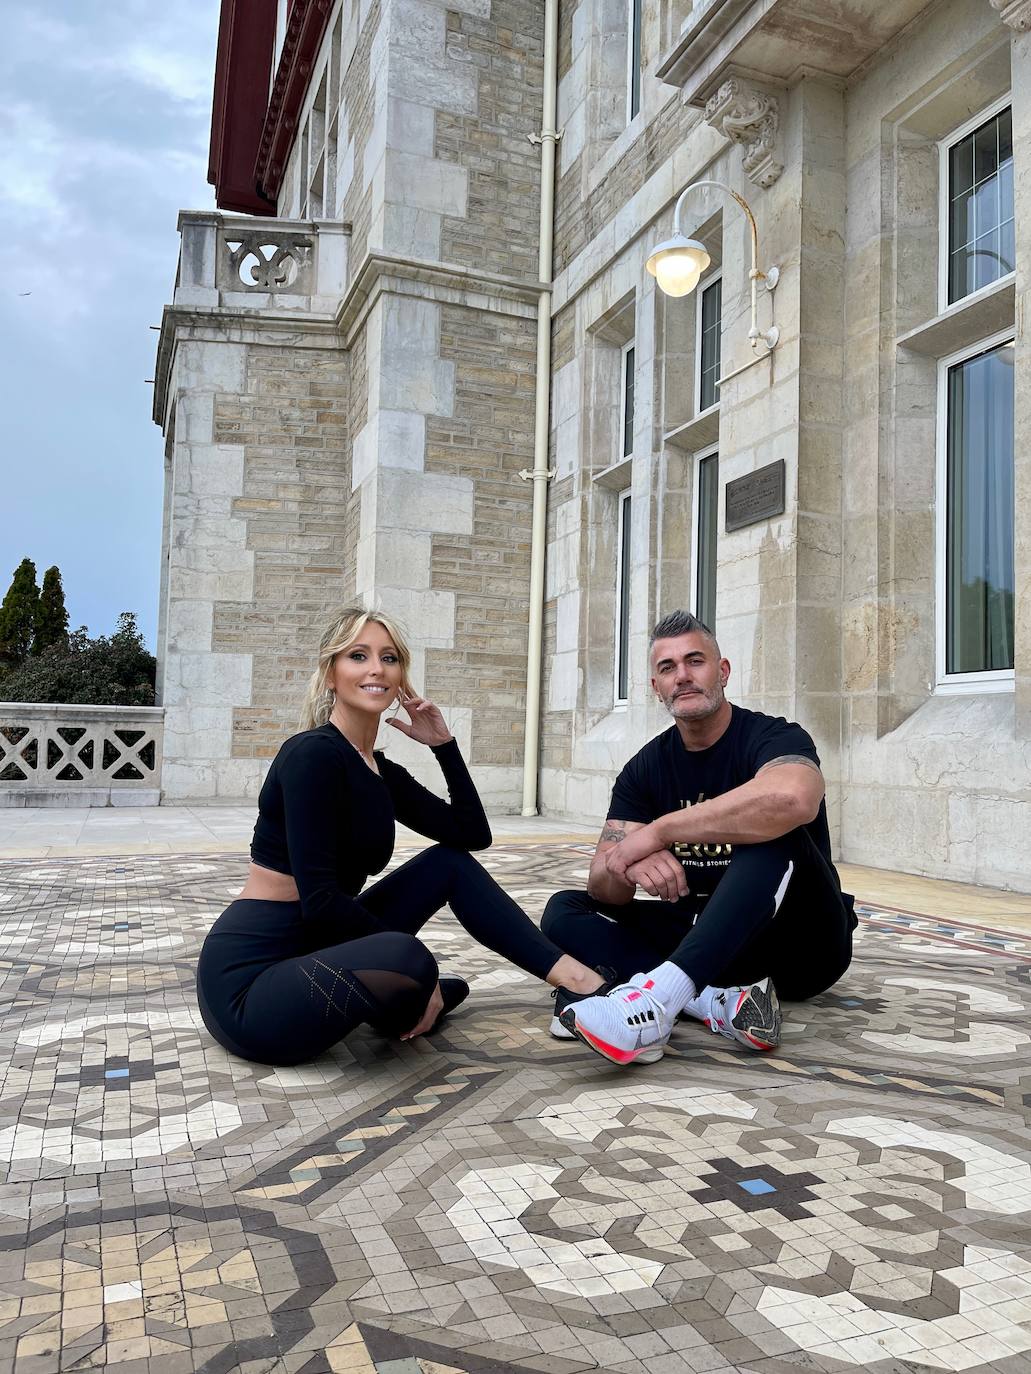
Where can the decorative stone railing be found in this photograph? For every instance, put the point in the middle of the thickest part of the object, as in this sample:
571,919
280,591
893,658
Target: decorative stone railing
237,262
53,755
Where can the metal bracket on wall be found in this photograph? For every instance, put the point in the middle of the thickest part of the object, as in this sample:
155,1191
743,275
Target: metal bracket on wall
544,475
536,139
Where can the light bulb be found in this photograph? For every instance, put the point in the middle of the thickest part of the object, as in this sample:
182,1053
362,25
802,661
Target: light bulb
678,264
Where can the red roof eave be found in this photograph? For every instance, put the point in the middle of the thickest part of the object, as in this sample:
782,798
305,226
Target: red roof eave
243,69
305,26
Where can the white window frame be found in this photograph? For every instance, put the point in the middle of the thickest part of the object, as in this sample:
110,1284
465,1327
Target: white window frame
992,680
622,501
624,355
635,8
701,288
696,511
944,148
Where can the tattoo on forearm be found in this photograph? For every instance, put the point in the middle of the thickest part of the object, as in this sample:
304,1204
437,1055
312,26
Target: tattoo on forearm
613,832
789,758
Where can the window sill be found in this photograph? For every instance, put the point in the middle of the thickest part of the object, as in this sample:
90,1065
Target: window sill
977,316
975,684
699,433
616,477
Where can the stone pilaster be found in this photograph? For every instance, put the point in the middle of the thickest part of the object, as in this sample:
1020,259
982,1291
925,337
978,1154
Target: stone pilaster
779,579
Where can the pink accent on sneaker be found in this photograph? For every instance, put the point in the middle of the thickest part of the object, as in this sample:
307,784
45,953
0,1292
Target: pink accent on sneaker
612,1052
633,996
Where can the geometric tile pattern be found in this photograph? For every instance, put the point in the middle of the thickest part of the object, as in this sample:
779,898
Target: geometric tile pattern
487,1198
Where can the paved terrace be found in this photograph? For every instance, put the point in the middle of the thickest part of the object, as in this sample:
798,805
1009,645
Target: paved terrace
487,1199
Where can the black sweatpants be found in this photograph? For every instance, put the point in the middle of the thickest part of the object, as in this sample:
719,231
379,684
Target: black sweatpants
278,989
778,910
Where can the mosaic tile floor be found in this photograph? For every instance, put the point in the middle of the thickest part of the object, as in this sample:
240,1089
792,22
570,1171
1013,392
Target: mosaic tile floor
488,1199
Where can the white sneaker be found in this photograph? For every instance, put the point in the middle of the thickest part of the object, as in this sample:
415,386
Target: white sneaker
563,998
628,1025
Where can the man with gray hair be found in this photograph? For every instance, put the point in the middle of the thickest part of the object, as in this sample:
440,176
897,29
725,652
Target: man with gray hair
721,819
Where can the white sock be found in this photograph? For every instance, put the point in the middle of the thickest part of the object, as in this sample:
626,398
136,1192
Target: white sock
672,987
700,1007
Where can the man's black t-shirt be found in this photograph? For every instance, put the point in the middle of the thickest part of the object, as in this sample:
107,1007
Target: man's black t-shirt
664,776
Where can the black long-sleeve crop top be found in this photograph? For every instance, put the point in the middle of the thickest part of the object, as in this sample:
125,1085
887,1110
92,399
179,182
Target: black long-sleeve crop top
327,819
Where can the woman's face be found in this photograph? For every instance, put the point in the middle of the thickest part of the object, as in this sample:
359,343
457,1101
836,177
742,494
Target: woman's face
367,676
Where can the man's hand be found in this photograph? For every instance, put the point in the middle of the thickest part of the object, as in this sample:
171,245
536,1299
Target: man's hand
428,1019
638,844
660,874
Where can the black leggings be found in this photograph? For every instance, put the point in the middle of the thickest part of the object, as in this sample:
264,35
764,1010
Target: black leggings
277,989
778,910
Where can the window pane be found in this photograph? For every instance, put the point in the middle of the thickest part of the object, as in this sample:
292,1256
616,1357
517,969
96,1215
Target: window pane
634,56
628,403
979,573
708,510
986,259
623,604
961,220
709,346
986,207
1005,136
1007,248
980,202
986,150
961,275
961,166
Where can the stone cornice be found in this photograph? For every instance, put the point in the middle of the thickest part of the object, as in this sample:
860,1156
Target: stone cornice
448,282
699,38
305,25
243,65
1015,13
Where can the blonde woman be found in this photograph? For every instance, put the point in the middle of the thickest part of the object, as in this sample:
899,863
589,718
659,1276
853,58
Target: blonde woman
300,959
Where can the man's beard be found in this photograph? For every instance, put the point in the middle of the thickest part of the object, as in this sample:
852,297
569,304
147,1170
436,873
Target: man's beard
713,699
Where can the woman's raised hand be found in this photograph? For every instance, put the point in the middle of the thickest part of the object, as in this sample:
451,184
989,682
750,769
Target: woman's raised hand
425,724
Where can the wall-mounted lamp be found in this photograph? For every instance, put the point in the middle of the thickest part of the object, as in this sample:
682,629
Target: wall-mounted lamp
678,263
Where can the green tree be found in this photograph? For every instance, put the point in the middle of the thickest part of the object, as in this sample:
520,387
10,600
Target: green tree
51,615
115,670
18,615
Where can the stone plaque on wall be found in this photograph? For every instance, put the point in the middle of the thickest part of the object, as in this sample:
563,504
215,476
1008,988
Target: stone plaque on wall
754,497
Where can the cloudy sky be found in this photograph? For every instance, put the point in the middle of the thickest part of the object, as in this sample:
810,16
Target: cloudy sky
105,108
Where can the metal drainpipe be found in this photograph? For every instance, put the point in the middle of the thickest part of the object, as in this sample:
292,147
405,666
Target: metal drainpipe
541,475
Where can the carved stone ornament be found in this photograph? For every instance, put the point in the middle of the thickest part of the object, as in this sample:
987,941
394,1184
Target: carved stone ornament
748,116
1015,13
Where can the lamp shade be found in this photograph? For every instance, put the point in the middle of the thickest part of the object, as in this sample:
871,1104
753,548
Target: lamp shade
677,264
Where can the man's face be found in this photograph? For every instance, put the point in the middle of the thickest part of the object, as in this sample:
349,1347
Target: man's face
688,676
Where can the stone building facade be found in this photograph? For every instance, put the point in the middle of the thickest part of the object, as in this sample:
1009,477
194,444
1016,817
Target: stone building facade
347,390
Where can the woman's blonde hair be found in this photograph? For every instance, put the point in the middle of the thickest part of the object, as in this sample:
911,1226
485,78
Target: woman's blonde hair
339,635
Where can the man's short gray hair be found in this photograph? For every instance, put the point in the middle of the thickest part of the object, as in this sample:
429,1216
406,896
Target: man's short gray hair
679,623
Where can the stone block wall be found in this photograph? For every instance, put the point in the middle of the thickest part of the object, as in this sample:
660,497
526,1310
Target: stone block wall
488,439
291,422
505,47
357,119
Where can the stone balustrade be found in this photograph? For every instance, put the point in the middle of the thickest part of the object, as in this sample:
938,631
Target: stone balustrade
52,755
236,262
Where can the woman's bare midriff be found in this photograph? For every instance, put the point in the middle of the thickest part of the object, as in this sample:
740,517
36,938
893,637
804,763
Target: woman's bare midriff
265,885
